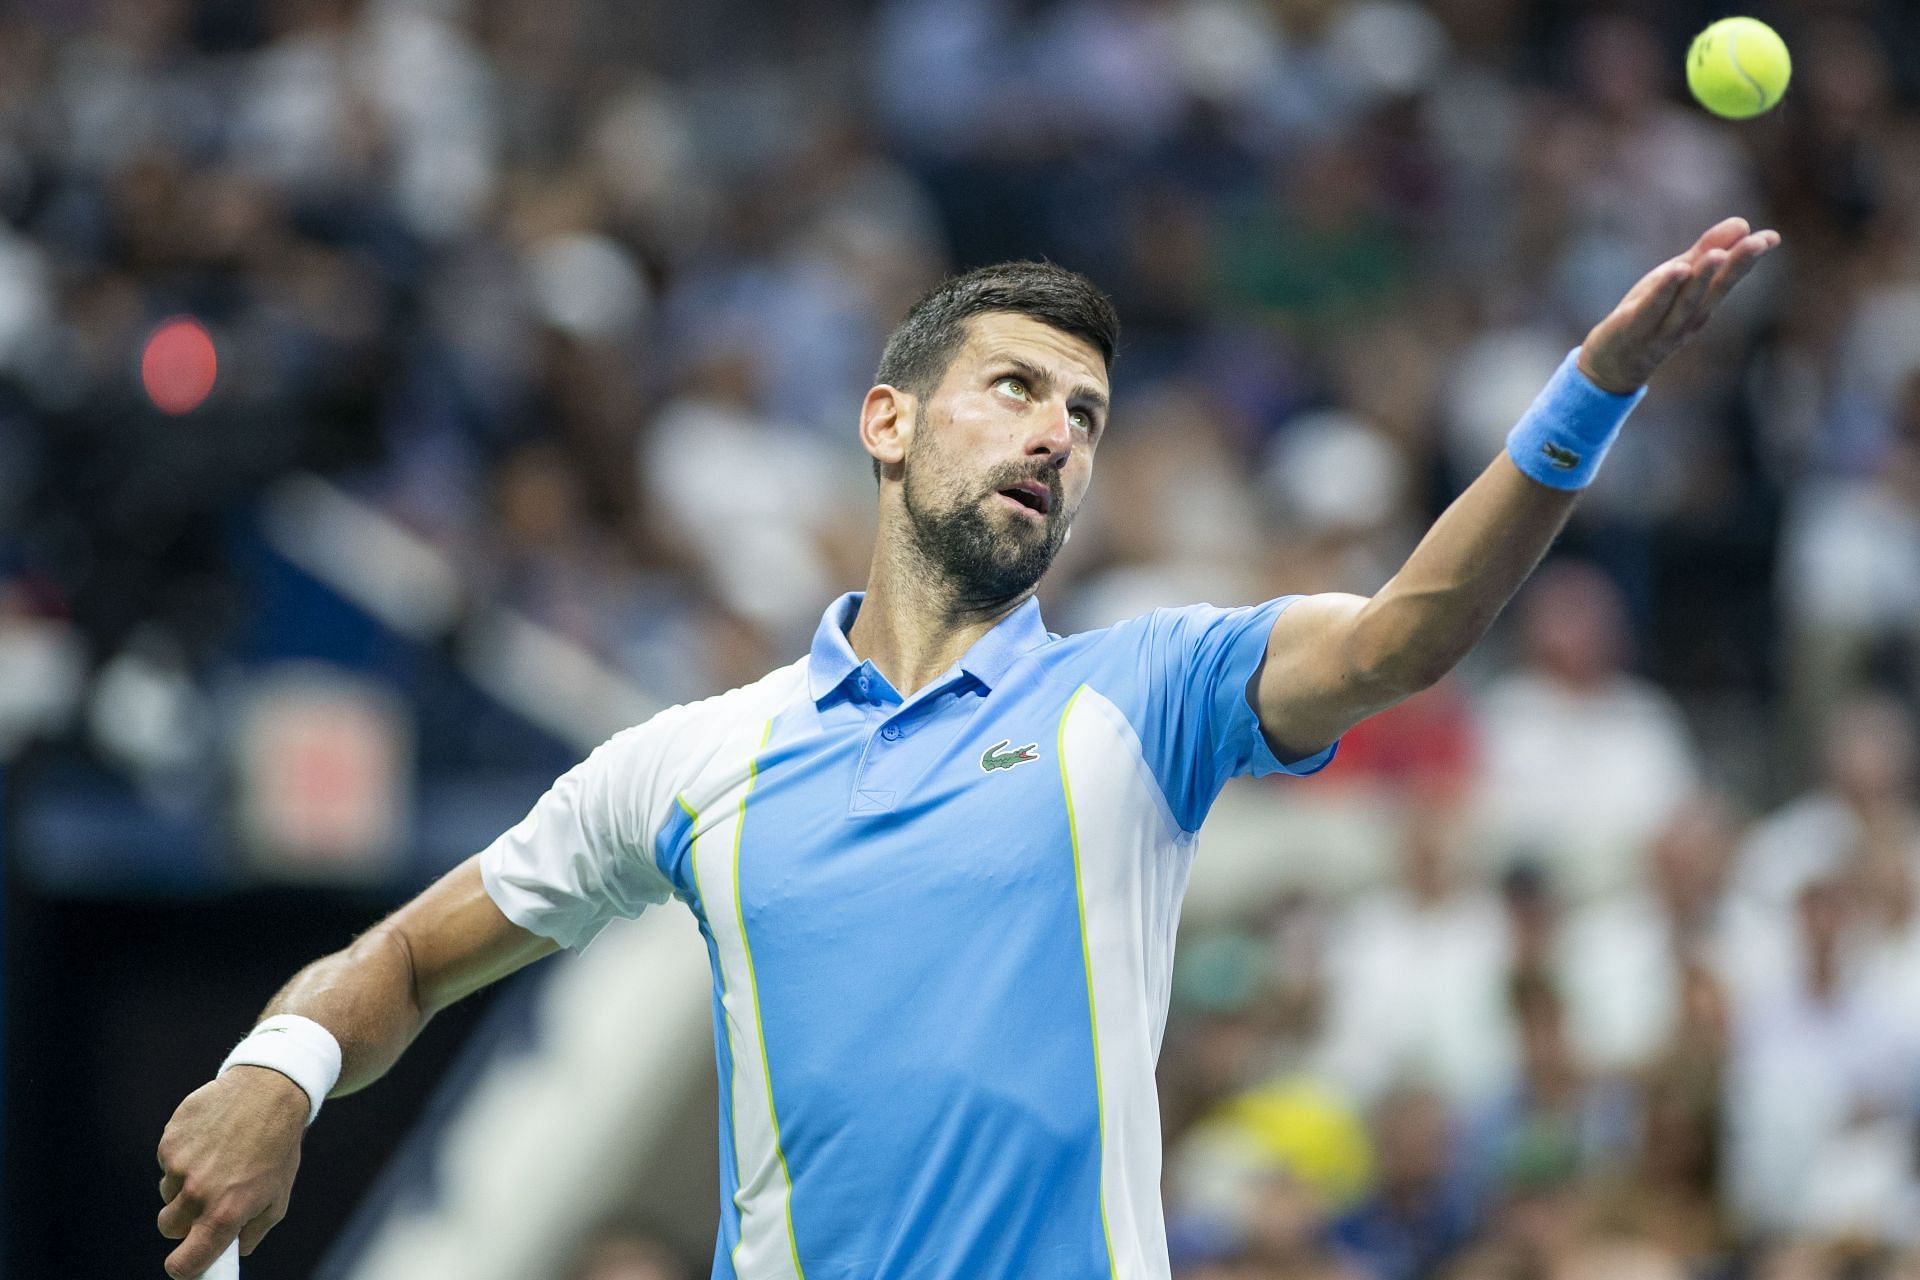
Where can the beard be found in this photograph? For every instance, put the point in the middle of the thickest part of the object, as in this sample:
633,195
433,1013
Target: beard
985,555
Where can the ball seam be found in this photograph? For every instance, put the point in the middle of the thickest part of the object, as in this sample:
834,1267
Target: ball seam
1733,56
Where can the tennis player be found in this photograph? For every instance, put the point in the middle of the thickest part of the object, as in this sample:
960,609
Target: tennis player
938,860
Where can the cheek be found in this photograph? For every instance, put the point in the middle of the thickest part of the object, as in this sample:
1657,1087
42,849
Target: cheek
941,479
983,424
1078,480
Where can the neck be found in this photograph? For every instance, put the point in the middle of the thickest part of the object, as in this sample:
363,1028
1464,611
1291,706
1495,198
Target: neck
913,624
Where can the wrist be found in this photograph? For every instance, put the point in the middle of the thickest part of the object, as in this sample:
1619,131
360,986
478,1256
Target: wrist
1610,383
1566,432
298,1048
276,1081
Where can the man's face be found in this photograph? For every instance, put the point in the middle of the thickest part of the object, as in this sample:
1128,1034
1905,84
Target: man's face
1002,453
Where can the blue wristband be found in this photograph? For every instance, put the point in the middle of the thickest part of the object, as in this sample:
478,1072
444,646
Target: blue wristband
1568,428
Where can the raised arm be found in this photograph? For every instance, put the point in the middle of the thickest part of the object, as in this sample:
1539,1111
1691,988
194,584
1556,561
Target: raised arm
1333,660
229,1153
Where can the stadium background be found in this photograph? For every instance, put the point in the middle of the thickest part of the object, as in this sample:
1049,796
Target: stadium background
541,330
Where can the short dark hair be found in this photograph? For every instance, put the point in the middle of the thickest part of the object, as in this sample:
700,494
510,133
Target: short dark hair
923,344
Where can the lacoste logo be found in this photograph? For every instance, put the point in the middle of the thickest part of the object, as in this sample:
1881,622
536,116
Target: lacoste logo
1565,459
998,756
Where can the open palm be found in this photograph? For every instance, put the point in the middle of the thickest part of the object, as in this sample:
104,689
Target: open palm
1670,304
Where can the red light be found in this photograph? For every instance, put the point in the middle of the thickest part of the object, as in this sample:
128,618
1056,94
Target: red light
178,365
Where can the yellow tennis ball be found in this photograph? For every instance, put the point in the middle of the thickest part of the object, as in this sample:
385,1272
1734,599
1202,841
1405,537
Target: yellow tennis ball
1738,67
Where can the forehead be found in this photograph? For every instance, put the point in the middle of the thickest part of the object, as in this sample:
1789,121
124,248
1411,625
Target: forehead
1002,334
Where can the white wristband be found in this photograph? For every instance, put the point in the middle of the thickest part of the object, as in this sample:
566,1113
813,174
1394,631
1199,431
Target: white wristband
298,1048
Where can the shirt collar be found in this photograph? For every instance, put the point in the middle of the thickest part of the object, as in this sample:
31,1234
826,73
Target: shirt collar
832,658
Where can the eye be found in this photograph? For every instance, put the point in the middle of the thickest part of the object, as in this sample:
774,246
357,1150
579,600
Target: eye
1083,420
1017,387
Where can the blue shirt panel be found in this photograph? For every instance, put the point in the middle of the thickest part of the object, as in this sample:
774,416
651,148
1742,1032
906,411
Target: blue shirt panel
673,854
923,995
1180,677
915,929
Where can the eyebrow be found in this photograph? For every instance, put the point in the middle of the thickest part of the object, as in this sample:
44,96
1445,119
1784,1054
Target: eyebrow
1040,378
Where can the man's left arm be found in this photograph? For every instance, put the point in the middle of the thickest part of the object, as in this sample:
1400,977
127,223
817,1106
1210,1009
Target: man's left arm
1333,660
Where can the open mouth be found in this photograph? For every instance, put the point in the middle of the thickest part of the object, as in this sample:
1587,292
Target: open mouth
1030,496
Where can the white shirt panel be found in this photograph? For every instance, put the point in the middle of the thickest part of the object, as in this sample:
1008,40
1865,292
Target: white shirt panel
584,856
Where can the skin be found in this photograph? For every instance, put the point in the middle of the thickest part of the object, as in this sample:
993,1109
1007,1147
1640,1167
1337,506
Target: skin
976,433
230,1152
1019,401
1335,659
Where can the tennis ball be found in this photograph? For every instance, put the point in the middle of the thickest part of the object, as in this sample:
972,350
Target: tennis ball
1738,67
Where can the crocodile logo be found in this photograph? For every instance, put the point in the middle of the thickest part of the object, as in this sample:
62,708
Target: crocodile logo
1565,459
1003,755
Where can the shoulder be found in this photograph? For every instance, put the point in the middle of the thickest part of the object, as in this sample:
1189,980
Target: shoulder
1172,656
1174,630
695,730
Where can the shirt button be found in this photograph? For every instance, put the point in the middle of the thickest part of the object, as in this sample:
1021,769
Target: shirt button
890,732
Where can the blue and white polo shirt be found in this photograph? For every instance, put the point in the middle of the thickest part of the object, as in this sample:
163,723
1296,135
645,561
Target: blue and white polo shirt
941,930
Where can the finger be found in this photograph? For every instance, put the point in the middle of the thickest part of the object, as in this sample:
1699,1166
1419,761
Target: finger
170,1187
1687,305
1667,276
1723,234
1739,262
210,1238
1744,257
1643,315
1753,246
177,1218
256,1230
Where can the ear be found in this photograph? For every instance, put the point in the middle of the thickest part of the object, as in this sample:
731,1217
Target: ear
886,424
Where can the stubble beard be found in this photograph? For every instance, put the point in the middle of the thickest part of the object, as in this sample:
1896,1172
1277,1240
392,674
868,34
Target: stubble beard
983,556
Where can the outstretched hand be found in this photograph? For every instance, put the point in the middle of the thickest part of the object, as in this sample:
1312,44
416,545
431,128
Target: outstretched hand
1670,304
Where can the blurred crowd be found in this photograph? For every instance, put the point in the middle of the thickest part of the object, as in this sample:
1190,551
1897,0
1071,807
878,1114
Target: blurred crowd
585,294
1674,1043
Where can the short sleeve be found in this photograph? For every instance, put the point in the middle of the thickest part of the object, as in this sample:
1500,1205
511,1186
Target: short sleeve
1201,726
584,855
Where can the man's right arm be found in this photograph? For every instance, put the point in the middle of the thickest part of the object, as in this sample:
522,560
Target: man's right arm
375,996
230,1151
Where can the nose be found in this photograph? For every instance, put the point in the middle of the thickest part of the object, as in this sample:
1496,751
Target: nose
1052,436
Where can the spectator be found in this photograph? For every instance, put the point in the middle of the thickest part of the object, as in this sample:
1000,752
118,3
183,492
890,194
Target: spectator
1414,976
1421,1211
1585,762
1866,784
1553,1103
1819,1092
1264,1175
1882,881
1147,552
1622,959
1850,567
1673,1193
